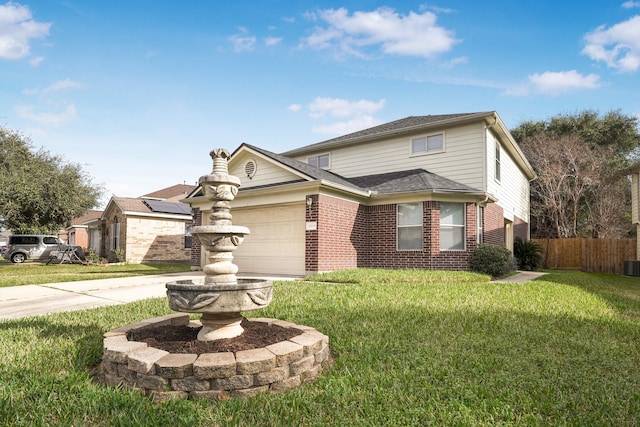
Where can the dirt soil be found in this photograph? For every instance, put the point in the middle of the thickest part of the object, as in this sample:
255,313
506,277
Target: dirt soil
183,339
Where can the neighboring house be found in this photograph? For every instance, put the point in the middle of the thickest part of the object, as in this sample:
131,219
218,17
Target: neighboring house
420,192
76,233
151,228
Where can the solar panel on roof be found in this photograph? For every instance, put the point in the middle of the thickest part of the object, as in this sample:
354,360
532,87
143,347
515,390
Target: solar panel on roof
168,207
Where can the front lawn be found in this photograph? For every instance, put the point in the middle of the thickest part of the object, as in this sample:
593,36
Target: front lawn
411,348
37,273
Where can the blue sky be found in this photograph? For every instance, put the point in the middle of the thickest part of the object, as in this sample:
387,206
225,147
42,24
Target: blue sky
138,92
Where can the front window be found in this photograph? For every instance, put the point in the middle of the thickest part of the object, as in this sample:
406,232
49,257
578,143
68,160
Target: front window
480,220
409,225
321,161
497,171
188,239
452,227
115,235
427,144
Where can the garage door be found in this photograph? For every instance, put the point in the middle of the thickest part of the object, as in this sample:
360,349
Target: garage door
276,243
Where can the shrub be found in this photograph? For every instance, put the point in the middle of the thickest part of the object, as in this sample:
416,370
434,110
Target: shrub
493,260
528,254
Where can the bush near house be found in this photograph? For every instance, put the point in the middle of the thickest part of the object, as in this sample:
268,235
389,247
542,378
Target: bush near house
494,260
528,254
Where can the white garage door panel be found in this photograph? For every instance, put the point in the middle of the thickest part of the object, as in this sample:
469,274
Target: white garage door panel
276,243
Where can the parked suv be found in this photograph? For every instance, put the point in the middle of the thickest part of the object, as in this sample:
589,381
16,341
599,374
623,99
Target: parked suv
36,246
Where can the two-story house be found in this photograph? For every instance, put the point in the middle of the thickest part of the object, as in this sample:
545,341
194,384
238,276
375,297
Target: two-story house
420,192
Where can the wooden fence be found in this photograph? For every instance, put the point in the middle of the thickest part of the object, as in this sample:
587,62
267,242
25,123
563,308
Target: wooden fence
590,255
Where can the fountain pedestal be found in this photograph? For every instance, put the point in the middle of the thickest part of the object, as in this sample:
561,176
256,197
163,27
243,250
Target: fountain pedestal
221,297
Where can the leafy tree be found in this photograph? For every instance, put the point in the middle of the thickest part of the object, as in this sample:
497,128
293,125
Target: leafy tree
40,192
582,189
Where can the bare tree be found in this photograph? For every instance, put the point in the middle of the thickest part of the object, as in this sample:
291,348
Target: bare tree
570,173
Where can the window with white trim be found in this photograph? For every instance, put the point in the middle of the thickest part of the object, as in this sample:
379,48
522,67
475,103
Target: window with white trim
497,169
480,221
427,144
452,226
115,235
409,226
321,161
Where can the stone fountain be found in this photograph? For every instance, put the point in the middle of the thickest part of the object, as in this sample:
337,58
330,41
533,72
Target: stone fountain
296,357
222,296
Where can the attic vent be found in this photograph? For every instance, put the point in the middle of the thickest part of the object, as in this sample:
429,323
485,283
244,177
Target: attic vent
250,168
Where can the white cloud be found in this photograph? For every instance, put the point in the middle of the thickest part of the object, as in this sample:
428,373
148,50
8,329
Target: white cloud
351,115
272,41
554,83
17,28
36,60
49,119
415,34
55,87
346,127
618,46
61,85
630,4
337,107
243,44
455,62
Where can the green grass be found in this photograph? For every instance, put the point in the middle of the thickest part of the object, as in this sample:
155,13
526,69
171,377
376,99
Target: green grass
411,348
36,273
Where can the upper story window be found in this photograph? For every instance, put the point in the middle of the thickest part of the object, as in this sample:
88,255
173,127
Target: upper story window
409,227
497,169
427,144
321,161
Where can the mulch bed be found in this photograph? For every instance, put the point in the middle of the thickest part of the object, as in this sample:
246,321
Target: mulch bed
184,339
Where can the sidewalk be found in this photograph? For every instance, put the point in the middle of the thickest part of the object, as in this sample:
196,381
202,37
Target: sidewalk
38,300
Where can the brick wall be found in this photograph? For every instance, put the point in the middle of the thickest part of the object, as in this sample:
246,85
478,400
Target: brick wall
382,240
521,229
453,260
349,235
339,240
196,248
155,240
493,225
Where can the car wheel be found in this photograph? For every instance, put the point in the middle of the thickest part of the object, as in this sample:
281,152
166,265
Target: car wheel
18,258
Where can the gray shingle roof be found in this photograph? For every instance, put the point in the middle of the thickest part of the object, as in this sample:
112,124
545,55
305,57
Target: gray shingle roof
392,127
416,180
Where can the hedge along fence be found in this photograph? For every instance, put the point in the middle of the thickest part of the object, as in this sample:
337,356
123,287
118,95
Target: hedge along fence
589,255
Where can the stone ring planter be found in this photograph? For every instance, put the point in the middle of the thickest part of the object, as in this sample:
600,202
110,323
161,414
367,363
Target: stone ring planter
162,375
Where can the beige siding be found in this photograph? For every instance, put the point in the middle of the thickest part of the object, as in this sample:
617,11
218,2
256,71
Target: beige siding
267,172
461,161
512,190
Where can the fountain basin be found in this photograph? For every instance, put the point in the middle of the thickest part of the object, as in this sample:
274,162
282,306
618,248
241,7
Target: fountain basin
197,297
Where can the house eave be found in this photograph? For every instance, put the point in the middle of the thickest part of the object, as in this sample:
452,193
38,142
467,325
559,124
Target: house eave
158,215
477,197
